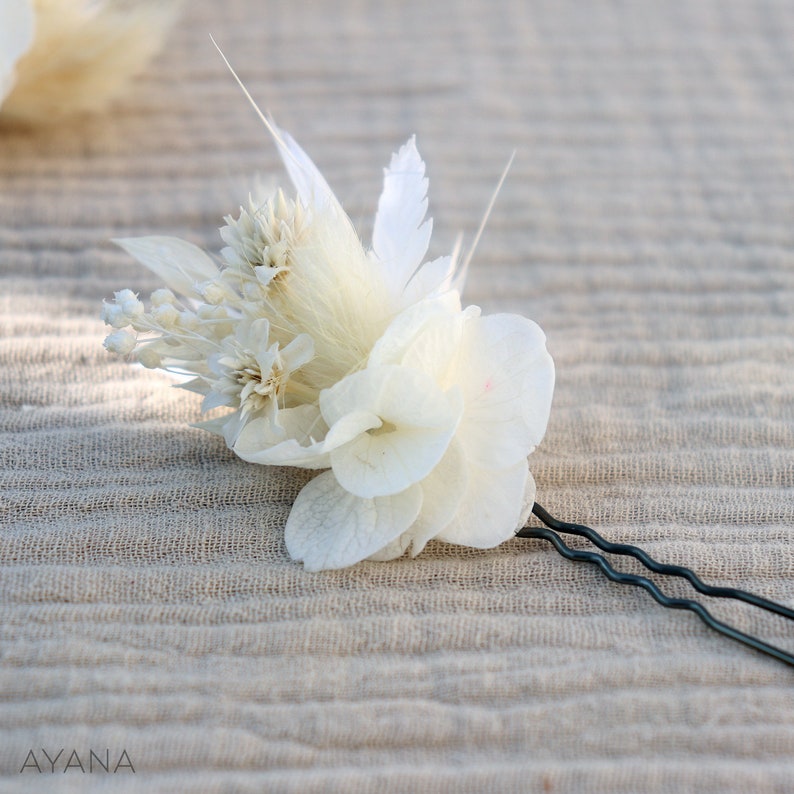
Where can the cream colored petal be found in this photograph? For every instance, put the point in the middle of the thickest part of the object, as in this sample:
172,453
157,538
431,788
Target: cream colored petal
529,501
378,465
234,425
350,426
443,491
215,399
418,421
491,509
439,316
507,378
393,550
331,528
296,440
437,349
298,352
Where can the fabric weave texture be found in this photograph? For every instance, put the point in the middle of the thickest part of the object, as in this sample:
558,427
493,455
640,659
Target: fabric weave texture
147,601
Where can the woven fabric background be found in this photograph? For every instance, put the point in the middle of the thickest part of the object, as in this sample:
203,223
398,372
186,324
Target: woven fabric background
147,601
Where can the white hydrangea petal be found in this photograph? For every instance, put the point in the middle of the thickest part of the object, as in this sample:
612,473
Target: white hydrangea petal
399,236
392,550
349,426
17,28
491,509
296,440
442,492
310,184
180,264
364,390
331,528
530,490
436,349
409,324
507,378
418,421
292,438
377,465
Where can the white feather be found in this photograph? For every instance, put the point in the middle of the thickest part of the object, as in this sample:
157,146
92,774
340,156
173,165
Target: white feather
400,237
312,188
306,177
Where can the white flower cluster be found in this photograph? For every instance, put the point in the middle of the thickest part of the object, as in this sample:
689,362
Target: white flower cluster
358,362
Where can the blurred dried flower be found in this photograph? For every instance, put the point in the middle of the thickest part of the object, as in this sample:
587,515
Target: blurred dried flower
64,57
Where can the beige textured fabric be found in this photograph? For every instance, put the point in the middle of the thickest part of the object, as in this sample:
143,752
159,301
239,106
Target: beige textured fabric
147,600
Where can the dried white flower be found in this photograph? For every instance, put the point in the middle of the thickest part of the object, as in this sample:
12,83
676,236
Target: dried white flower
121,342
327,355
64,57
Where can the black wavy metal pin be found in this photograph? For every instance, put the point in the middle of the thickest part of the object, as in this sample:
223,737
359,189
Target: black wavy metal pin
546,533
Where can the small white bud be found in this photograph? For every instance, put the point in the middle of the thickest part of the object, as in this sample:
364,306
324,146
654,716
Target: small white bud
129,303
163,297
188,320
124,295
113,315
165,315
121,342
212,292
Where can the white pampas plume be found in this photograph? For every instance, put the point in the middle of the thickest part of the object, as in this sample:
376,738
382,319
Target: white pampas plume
84,52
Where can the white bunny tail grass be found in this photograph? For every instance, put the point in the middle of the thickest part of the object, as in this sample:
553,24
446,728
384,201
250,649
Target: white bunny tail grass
83,55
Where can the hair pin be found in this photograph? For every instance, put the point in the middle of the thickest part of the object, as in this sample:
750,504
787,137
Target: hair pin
314,350
625,549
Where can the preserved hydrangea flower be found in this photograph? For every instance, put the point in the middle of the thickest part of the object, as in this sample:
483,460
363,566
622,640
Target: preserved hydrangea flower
358,362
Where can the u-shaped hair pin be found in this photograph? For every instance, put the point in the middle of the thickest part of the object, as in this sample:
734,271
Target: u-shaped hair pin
546,533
